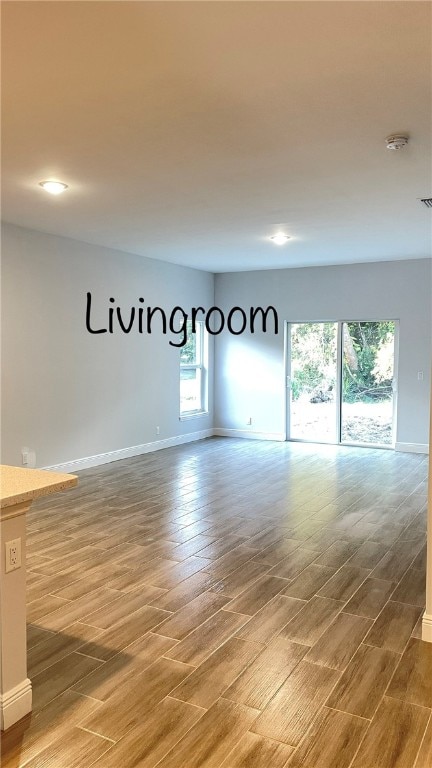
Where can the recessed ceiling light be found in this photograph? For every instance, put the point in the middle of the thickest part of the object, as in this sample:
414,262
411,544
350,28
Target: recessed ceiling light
53,187
279,238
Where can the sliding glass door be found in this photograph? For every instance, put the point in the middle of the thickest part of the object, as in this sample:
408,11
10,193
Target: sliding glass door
341,382
367,382
313,382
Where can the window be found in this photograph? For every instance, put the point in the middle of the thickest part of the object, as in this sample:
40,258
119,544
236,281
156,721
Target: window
193,372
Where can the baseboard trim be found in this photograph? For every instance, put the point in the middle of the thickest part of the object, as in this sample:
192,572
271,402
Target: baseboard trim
137,450
15,704
128,453
412,447
427,628
250,434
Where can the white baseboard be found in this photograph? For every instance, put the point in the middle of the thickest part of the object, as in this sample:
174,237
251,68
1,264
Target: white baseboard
137,450
127,453
15,704
412,447
249,434
427,628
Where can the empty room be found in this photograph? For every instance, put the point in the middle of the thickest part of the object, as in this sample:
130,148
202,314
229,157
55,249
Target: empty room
216,345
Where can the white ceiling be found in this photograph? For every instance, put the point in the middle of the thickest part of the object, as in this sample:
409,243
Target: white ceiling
190,132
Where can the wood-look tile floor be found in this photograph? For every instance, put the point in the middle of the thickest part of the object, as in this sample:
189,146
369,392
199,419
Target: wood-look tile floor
230,604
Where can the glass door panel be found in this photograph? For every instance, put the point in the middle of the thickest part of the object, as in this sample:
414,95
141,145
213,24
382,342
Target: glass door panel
367,382
313,382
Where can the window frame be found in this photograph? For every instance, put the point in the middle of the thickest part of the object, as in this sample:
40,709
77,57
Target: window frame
201,366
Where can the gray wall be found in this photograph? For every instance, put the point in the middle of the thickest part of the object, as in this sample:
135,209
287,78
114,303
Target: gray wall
249,370
68,394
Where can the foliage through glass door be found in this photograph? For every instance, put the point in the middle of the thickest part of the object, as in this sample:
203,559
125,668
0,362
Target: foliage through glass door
367,382
313,377
341,382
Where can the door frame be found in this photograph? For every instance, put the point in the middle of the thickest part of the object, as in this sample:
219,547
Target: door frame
339,373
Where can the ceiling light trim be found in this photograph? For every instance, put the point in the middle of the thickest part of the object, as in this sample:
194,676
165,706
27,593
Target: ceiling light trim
53,187
280,238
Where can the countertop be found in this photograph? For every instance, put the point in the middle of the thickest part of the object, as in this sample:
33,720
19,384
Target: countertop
18,484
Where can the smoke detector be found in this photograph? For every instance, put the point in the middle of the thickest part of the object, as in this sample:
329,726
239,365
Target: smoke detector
396,142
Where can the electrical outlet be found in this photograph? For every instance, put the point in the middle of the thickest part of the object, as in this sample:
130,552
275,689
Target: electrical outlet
157,430
31,459
24,454
420,376
13,555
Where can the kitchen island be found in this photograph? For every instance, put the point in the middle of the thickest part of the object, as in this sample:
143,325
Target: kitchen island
18,488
